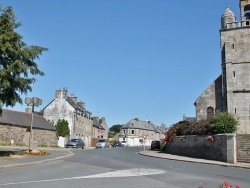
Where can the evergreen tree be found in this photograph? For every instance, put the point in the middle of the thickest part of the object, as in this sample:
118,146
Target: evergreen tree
17,60
115,128
62,128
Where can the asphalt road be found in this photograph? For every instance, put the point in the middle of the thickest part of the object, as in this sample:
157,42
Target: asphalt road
121,168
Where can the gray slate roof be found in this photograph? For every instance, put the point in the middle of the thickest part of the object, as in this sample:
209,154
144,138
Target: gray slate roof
23,119
138,124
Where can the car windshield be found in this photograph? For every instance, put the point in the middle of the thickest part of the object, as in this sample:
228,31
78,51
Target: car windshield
101,140
74,140
124,141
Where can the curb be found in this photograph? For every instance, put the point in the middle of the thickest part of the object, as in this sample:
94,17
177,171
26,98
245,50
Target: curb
36,162
193,160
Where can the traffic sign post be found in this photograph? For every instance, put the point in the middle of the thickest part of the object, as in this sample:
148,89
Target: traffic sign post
144,140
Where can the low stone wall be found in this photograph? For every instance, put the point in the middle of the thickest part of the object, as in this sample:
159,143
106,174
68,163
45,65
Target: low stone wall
20,134
221,147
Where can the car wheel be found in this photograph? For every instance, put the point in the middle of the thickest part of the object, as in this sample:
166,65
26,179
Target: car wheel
82,147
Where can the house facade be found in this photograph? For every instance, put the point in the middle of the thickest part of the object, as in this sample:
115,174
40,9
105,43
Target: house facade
136,130
230,92
80,121
15,128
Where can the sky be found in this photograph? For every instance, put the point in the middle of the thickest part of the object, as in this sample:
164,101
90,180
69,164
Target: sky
125,59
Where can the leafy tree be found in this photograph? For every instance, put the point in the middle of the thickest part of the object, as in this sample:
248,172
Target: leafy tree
223,122
111,134
17,60
115,128
62,128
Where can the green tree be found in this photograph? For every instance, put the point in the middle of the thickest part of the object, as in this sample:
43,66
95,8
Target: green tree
223,122
62,128
17,60
115,128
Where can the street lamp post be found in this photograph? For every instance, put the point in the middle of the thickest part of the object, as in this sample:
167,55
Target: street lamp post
34,101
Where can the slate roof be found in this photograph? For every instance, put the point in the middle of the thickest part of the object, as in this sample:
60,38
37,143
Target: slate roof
138,124
22,119
96,123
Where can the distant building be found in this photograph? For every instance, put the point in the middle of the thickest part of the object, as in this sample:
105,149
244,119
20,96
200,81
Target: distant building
134,131
230,92
189,119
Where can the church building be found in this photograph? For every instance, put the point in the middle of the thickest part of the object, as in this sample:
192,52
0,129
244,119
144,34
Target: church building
230,92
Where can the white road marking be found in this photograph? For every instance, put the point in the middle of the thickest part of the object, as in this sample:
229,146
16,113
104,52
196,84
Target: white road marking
119,173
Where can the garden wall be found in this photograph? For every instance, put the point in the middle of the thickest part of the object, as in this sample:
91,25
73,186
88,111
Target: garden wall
221,147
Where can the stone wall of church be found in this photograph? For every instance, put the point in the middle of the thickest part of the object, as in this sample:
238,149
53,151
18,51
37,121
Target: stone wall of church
236,64
211,97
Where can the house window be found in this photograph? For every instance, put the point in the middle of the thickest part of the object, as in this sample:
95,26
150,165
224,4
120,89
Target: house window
210,112
132,131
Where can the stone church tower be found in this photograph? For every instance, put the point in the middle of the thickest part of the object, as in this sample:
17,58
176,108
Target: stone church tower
231,90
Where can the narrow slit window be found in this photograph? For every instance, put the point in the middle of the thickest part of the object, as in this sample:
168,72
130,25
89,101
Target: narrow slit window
233,46
235,110
234,73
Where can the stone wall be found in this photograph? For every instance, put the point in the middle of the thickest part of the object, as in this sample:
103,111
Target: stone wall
8,133
211,97
222,148
243,148
18,134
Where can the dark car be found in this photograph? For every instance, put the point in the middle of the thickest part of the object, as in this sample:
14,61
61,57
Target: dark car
156,144
75,143
116,144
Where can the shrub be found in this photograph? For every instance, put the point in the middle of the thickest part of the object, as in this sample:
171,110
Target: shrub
223,122
62,128
20,144
42,145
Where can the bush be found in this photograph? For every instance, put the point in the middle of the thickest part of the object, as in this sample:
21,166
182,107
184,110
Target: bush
62,128
20,144
223,122
42,145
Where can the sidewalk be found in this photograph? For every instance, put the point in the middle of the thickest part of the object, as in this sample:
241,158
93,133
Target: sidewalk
18,161
159,154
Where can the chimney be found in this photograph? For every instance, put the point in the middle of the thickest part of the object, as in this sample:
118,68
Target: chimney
73,98
28,110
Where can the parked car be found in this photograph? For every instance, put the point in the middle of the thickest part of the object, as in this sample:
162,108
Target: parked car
102,144
75,143
116,144
124,143
156,144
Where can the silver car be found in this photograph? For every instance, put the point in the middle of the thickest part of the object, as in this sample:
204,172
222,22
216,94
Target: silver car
102,144
75,143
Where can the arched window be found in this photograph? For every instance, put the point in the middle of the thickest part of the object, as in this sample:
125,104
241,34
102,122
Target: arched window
210,112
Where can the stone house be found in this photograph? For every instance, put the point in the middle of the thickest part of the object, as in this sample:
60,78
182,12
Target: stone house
16,125
231,90
79,119
104,131
97,128
134,130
